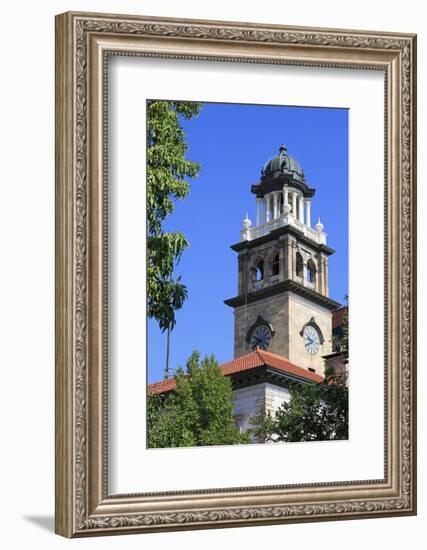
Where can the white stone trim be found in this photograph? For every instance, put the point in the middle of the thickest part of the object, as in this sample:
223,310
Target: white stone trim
318,237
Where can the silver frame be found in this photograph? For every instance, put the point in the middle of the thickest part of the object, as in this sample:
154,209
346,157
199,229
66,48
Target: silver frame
83,43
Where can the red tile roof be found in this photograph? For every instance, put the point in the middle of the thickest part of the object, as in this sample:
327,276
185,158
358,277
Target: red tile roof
162,386
257,358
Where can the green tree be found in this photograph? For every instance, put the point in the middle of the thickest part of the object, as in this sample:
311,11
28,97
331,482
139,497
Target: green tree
167,170
198,412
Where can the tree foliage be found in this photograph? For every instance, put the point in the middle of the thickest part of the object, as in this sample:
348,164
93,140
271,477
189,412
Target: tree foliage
167,168
198,412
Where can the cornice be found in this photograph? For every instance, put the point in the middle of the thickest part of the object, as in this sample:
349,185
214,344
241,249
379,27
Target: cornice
280,288
267,185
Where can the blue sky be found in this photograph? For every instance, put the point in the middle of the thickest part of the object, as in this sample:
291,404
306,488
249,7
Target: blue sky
232,143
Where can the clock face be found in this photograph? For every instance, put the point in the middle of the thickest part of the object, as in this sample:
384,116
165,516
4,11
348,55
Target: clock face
311,340
261,337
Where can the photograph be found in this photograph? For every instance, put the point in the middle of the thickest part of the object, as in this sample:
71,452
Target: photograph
247,274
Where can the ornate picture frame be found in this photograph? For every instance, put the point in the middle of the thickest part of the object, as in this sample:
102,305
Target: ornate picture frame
84,42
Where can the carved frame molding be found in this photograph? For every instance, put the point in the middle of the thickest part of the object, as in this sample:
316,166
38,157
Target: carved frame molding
83,43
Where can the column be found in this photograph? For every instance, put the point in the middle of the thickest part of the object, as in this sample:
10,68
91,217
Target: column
284,258
319,278
308,221
275,209
326,278
242,268
287,258
293,260
267,208
294,205
285,198
258,202
301,209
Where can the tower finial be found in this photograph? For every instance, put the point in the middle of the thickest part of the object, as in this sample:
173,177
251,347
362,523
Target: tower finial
282,149
319,226
247,222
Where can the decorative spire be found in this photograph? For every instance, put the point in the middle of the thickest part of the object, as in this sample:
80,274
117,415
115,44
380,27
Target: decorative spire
319,226
247,222
283,150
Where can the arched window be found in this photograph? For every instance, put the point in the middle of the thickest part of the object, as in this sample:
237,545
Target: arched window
299,266
311,272
259,271
275,266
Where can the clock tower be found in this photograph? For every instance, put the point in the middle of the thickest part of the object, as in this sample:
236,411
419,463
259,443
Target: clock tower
283,303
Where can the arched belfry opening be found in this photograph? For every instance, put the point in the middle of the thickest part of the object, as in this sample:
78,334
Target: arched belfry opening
275,266
311,272
259,271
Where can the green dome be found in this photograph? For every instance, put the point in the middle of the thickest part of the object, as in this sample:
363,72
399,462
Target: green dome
282,164
279,171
